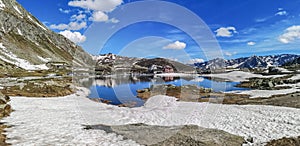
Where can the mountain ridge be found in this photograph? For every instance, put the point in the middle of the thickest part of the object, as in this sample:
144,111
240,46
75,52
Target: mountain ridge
248,62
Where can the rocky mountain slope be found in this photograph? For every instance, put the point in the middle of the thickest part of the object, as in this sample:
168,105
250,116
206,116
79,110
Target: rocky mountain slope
111,63
248,62
26,43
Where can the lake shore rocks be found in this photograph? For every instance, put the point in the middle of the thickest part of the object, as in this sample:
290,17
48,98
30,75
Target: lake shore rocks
268,83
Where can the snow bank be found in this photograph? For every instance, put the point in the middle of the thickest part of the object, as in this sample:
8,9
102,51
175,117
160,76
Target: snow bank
269,93
58,121
239,76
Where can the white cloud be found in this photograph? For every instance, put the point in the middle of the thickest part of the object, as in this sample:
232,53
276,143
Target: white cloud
99,8
76,37
113,20
226,31
290,34
230,54
99,16
97,5
281,13
251,43
64,11
78,17
176,45
196,60
59,26
70,26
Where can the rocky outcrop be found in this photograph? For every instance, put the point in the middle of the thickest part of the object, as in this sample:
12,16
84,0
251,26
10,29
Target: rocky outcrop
285,142
191,135
5,110
268,83
21,32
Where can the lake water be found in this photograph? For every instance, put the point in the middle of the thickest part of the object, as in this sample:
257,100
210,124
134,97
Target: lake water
122,89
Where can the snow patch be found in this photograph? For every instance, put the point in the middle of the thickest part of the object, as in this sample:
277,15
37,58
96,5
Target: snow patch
1,46
22,63
19,31
44,59
38,24
295,77
18,10
174,75
2,5
239,76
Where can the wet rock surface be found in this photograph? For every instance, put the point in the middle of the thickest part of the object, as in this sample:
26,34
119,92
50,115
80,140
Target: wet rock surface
189,135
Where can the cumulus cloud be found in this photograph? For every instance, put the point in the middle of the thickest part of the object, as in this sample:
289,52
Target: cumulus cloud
176,45
226,31
281,13
70,26
76,37
230,54
196,60
99,8
78,17
251,43
99,16
97,5
290,34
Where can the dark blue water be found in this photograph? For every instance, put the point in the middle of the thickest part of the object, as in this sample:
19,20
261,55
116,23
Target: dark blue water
123,90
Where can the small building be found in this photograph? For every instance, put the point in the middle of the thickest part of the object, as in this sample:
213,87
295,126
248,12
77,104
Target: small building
168,69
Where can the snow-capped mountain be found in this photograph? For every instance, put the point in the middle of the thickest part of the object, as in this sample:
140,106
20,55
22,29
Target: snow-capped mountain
248,62
26,43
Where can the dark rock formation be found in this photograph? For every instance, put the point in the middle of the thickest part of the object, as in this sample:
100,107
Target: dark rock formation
188,135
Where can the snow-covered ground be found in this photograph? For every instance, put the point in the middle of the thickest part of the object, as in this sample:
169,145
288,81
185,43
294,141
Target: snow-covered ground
239,76
295,77
269,93
58,121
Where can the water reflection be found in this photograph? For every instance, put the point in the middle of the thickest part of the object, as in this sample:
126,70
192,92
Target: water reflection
121,90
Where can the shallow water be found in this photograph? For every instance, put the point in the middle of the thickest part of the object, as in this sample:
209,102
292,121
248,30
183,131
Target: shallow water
122,89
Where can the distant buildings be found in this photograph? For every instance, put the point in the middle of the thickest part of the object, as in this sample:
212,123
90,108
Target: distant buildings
156,69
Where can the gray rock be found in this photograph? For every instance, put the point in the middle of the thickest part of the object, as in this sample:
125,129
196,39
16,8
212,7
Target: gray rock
189,135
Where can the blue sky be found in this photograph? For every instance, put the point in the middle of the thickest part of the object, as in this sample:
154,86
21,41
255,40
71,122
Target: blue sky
242,28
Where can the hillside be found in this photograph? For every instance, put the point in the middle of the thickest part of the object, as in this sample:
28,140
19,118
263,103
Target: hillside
25,43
